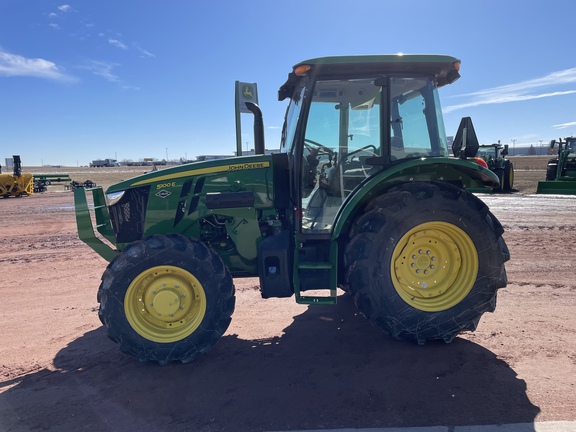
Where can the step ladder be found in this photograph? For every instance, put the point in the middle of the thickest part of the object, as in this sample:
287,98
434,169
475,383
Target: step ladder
328,270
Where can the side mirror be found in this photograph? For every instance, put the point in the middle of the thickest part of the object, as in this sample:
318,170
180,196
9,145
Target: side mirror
465,143
505,151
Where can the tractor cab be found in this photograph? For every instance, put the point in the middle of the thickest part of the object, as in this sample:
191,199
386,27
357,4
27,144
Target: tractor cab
569,144
350,118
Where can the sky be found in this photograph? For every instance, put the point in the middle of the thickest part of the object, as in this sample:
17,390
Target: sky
132,79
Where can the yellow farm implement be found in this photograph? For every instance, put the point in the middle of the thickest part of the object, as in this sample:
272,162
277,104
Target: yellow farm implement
17,184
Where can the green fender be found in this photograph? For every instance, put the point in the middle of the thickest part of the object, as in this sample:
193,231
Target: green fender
461,172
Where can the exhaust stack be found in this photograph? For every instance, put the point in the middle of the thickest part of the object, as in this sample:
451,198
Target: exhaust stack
258,127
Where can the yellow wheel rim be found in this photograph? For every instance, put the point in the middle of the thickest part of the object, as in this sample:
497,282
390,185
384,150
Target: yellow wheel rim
165,304
434,266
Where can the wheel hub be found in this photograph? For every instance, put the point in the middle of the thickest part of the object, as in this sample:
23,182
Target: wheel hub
423,262
428,264
434,266
165,303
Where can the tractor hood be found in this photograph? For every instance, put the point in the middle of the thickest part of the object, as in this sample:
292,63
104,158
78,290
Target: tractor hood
175,175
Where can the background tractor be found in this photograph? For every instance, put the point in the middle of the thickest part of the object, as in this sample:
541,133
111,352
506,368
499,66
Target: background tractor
561,170
362,196
495,157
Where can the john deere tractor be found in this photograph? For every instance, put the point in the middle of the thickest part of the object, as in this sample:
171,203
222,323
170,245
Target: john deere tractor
362,196
495,157
561,170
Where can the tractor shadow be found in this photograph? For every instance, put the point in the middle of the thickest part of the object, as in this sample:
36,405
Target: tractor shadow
330,369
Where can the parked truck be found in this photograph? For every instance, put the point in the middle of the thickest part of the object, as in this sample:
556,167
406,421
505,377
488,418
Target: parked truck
104,163
363,196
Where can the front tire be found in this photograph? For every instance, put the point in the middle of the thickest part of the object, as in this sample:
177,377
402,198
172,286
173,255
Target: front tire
425,261
166,298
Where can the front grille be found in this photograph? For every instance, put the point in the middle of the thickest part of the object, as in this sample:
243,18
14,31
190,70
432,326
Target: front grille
129,213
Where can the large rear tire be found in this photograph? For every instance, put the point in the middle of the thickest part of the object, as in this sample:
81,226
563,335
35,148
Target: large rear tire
508,176
500,174
425,261
551,169
166,298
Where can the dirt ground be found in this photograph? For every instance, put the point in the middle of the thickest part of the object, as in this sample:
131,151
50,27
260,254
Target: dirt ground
282,366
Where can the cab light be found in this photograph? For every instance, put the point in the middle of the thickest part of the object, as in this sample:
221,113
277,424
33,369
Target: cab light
481,162
456,65
302,70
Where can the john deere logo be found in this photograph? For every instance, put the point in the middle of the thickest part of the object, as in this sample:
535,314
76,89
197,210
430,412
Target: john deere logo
163,193
248,92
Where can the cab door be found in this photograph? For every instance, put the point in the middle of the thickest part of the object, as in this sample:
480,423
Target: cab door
342,132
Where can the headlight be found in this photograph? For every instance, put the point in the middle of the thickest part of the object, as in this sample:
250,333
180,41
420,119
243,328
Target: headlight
113,197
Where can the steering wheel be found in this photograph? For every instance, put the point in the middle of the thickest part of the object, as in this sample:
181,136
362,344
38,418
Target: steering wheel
352,153
311,145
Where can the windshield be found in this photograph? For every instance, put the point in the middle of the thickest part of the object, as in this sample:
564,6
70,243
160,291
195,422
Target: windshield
345,116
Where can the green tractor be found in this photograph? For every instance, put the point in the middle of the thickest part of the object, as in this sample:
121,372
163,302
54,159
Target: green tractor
495,157
362,196
561,170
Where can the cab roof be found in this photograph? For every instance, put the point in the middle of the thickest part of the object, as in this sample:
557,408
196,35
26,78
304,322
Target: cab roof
444,68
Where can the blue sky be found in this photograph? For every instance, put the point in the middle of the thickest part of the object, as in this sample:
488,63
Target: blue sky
83,80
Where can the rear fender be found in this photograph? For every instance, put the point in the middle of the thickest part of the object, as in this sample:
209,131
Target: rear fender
458,172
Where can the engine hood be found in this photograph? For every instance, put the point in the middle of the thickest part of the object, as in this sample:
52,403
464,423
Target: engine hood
176,173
